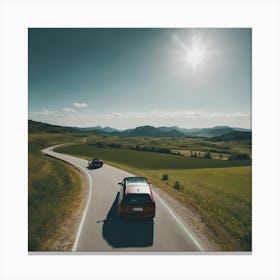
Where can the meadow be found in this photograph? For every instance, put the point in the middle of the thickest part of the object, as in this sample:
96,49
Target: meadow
222,196
53,186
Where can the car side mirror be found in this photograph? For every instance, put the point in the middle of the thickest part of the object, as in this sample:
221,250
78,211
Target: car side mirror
120,183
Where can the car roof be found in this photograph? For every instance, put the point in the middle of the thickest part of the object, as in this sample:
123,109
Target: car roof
137,189
137,185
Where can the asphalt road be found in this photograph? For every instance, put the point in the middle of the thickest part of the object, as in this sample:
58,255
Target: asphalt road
101,230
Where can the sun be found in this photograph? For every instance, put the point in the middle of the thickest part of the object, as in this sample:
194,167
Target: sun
196,54
195,50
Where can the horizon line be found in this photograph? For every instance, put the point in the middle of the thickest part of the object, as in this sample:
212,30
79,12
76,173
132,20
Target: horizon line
139,126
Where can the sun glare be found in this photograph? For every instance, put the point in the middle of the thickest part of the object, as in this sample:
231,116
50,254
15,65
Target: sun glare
196,56
196,52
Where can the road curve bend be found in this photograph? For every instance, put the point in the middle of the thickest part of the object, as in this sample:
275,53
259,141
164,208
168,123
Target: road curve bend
100,229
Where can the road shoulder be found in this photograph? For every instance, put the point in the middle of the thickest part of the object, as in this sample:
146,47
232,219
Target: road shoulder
192,220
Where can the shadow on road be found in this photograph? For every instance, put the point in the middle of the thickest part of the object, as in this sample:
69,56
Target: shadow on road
127,233
92,168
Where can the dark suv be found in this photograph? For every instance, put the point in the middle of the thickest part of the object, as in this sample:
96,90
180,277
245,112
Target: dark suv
136,198
95,163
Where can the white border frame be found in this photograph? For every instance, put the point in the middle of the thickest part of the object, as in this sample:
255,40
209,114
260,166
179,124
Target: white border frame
262,16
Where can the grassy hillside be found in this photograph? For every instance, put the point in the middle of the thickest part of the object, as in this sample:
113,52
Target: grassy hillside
37,127
53,190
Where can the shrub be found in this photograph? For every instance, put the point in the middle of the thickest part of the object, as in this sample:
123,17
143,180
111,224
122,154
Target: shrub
98,144
177,185
164,177
239,157
115,145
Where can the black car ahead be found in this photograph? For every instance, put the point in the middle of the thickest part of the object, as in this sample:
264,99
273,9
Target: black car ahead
95,163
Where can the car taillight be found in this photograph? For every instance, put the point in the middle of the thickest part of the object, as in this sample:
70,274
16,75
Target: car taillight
152,197
125,207
149,208
152,205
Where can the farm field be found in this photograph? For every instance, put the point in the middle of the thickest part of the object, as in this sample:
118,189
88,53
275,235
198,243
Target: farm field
176,144
147,160
219,190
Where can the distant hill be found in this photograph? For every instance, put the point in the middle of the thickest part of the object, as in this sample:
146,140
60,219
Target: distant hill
202,132
150,131
214,133
186,131
234,136
34,126
97,128
242,129
168,128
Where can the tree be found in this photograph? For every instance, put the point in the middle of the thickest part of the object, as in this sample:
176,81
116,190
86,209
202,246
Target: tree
239,157
207,155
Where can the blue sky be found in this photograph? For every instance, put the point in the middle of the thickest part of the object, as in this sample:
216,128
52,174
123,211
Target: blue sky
127,77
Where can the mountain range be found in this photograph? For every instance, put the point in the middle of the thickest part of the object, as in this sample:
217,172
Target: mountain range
148,131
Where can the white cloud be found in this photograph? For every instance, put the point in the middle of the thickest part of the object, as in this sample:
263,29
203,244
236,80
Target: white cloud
123,120
46,112
80,105
69,110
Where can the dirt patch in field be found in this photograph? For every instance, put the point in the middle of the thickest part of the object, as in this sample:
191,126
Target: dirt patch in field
193,222
65,235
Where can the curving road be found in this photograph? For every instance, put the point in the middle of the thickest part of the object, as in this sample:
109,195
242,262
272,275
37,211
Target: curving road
100,229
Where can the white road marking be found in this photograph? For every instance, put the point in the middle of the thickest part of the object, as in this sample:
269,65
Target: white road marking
74,248
180,223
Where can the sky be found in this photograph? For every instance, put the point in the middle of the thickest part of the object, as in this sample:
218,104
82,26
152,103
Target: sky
128,77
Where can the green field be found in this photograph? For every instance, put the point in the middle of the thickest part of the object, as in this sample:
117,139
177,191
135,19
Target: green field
147,160
178,144
53,186
219,190
222,196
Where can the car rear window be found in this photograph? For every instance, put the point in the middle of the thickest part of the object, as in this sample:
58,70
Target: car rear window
136,180
137,198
